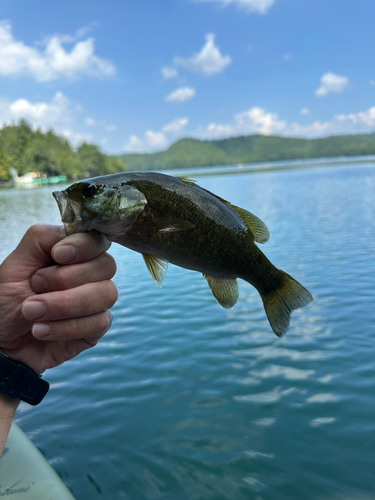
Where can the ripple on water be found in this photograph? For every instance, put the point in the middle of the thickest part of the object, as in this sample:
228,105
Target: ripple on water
184,400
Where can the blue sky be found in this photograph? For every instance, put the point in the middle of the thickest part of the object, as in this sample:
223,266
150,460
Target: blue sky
136,75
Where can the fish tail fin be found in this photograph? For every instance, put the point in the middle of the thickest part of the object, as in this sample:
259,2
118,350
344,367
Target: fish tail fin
280,302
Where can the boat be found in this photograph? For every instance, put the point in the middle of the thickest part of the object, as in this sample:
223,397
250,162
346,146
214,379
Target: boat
25,474
32,179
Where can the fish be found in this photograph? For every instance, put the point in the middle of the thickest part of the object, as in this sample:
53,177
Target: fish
173,220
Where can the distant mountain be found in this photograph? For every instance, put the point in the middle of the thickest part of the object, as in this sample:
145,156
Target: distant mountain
188,153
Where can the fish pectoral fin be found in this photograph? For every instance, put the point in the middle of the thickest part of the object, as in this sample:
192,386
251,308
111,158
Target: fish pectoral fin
225,290
170,224
256,226
157,267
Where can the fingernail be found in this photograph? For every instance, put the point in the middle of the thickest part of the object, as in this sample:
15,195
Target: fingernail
38,284
41,330
34,310
64,253
107,244
110,318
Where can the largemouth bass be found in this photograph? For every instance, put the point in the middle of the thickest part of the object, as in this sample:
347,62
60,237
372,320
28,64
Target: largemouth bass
170,219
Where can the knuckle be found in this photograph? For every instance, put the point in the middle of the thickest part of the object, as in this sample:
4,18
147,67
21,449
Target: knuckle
60,277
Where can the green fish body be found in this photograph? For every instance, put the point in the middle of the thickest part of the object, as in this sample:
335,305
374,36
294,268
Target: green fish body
170,219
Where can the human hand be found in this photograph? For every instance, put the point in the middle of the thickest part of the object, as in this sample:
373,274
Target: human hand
51,313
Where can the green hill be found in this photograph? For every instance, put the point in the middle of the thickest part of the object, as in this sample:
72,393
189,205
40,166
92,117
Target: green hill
188,153
30,150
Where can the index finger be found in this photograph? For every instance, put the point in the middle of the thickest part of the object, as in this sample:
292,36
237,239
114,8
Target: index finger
79,247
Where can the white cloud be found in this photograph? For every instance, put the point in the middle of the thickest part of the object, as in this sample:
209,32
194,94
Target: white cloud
305,111
90,122
208,61
260,6
111,128
169,72
287,57
366,118
181,95
256,120
40,114
80,33
219,130
176,125
331,83
134,144
155,139
18,59
152,141
351,123
58,114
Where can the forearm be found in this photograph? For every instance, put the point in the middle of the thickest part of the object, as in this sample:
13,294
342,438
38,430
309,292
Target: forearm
8,408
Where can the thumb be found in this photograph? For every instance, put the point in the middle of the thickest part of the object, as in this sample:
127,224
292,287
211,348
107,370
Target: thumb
32,252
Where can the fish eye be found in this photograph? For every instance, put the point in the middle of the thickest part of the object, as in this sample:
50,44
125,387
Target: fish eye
89,190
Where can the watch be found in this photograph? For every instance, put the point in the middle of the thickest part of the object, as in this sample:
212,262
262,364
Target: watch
19,381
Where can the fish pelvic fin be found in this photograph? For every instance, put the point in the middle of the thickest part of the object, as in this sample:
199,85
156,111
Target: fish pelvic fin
224,290
156,267
282,301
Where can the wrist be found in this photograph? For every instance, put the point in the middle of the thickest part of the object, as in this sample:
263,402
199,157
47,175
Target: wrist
18,381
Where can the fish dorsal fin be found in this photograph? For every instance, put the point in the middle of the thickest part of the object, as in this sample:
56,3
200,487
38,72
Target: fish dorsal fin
186,180
225,290
256,226
157,267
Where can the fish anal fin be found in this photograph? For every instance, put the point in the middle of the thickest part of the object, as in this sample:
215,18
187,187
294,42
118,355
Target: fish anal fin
256,226
156,267
225,290
282,301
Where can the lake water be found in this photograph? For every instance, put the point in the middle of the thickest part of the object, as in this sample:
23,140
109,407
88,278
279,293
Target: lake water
183,400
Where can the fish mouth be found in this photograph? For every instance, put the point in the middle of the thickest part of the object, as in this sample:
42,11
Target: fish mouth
70,211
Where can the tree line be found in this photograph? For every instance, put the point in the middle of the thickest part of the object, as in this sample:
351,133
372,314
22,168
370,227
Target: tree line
189,153
29,150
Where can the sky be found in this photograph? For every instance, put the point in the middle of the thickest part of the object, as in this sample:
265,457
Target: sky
137,75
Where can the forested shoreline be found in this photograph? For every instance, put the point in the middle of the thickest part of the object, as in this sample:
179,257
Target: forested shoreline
28,150
189,153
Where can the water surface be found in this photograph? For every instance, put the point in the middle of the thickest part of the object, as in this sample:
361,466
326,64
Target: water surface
183,400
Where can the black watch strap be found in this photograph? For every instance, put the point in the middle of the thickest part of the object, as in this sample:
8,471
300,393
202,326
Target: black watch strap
19,381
